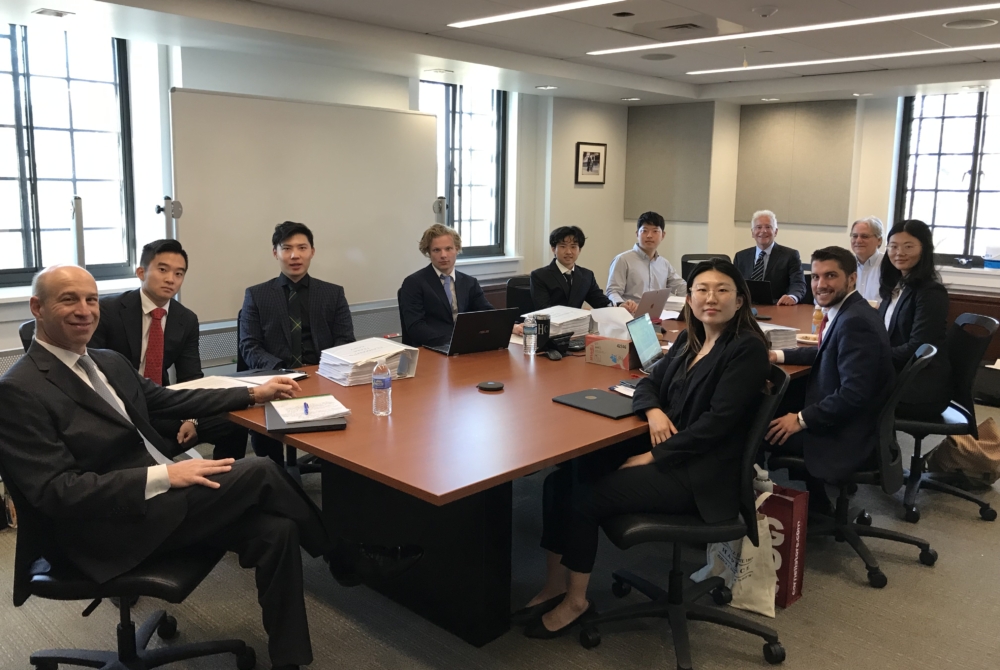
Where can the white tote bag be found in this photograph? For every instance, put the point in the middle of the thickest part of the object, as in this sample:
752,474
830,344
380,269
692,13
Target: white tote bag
746,569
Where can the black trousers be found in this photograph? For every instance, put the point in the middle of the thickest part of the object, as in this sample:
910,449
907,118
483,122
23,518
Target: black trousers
228,438
268,447
576,498
261,514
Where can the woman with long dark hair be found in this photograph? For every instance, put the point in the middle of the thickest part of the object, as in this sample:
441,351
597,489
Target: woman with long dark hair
699,401
915,311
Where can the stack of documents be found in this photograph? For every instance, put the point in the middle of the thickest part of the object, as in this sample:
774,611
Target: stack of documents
779,337
566,320
352,364
310,408
216,382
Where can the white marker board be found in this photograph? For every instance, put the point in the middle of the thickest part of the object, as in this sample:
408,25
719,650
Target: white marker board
363,179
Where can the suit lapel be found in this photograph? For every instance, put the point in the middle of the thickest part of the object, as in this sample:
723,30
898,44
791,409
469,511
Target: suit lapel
281,302
69,383
173,334
561,280
131,315
831,329
772,258
315,307
437,288
904,297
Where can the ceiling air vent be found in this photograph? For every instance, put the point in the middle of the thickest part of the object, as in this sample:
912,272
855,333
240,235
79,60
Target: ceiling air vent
682,27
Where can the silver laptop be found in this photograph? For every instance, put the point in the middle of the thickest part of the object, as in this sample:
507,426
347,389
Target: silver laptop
647,344
652,303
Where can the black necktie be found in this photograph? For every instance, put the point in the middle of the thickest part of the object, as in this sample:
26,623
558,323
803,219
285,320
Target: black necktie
758,268
295,315
569,279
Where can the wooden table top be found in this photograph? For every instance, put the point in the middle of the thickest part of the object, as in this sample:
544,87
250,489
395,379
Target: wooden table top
446,439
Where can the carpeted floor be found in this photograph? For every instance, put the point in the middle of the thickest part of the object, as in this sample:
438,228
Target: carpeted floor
946,616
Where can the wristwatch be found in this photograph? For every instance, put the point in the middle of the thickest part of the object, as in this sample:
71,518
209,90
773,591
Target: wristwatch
192,421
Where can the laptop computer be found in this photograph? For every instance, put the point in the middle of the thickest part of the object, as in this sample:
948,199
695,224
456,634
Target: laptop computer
611,405
652,303
647,344
479,331
760,292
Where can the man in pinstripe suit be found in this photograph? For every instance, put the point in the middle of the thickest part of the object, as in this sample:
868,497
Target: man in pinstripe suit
287,322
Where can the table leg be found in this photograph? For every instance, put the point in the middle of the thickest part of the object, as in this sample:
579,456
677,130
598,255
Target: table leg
462,582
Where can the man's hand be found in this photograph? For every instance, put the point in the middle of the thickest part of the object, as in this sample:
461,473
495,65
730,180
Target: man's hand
630,305
188,434
276,388
639,459
787,300
519,329
772,356
196,471
660,426
783,428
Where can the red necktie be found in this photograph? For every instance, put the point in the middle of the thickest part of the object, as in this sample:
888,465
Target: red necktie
819,334
154,348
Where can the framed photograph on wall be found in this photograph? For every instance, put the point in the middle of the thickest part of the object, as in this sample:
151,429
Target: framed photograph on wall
591,161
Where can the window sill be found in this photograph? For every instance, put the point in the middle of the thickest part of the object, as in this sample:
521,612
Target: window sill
14,294
981,281
490,267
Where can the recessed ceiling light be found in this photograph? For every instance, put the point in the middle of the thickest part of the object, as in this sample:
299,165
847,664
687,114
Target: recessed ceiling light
622,15
58,13
440,71
630,99
862,95
531,12
546,88
977,87
803,29
850,59
657,56
970,24
770,99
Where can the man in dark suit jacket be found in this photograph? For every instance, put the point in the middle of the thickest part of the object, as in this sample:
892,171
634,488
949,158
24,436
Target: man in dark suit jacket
563,282
130,323
769,261
431,298
83,453
851,377
287,322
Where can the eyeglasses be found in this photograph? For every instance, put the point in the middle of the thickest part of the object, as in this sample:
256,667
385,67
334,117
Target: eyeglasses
861,236
758,229
905,248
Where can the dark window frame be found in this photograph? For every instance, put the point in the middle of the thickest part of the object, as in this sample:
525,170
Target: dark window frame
24,131
453,146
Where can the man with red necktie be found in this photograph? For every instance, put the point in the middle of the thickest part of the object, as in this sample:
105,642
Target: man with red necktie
154,332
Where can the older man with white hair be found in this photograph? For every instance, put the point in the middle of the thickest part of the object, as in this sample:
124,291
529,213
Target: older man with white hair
771,262
866,243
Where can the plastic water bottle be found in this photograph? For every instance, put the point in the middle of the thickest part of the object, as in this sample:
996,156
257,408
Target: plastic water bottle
381,389
530,335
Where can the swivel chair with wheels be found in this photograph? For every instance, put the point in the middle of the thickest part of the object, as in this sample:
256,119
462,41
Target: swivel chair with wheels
41,570
688,261
26,331
519,294
966,349
886,470
677,604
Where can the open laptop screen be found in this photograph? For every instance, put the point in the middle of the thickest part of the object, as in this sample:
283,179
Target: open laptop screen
647,345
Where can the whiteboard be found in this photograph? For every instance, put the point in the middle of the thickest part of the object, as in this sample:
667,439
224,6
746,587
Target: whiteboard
363,179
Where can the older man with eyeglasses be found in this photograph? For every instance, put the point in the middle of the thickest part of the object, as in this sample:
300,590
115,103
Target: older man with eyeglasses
866,243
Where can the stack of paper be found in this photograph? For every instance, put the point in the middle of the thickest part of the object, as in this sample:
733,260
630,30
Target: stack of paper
310,408
780,337
215,382
565,320
352,364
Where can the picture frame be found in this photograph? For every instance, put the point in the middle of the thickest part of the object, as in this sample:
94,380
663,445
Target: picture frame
591,162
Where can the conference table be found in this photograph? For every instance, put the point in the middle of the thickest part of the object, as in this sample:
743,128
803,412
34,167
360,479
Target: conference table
438,471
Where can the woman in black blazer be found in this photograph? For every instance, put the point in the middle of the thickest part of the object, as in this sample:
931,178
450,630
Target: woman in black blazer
699,401
915,311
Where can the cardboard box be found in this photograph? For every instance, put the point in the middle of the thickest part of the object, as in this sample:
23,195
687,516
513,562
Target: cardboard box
611,352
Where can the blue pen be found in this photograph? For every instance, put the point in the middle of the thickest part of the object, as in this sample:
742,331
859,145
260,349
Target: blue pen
305,408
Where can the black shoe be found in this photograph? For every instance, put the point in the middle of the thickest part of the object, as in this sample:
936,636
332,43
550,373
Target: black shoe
378,562
526,615
537,628
346,575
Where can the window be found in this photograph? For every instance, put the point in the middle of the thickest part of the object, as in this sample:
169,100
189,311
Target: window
472,161
951,176
64,130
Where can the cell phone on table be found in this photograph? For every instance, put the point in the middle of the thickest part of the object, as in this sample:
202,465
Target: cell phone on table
762,317
627,383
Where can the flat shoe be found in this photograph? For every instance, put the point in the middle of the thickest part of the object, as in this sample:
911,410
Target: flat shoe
526,615
538,630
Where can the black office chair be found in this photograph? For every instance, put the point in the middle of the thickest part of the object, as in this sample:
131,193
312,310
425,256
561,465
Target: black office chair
688,261
886,470
403,335
807,299
677,604
40,570
519,295
965,352
26,331
296,467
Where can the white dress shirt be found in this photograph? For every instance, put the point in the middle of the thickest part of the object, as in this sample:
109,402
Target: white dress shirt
869,274
147,307
633,273
157,479
892,308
